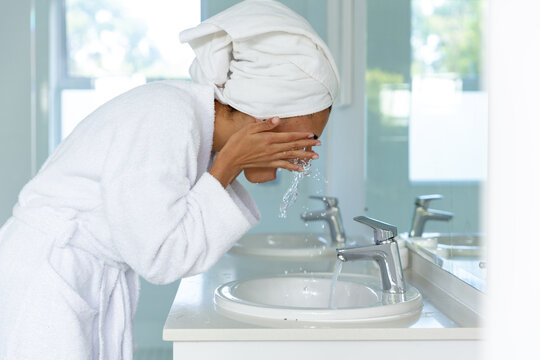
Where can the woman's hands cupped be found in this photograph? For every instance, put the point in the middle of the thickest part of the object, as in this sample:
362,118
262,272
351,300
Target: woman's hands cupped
256,145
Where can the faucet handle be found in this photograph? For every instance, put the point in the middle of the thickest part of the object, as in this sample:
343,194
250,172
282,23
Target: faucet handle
423,200
329,202
382,231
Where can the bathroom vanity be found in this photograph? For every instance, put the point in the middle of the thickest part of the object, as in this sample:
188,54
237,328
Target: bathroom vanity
448,326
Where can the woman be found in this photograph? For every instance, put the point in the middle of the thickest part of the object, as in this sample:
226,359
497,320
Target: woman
146,184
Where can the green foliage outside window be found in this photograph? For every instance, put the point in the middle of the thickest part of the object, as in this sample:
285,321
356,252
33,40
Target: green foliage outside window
104,40
447,37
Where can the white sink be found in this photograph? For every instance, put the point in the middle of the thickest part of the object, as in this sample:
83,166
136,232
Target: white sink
304,301
461,254
449,246
286,246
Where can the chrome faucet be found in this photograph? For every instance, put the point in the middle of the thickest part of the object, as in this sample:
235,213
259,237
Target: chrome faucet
385,252
423,214
331,215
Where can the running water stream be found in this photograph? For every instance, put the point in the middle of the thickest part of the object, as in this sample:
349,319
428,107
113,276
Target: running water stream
337,271
290,198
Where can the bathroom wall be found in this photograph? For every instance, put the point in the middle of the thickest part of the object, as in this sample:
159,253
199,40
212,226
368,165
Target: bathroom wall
23,96
15,102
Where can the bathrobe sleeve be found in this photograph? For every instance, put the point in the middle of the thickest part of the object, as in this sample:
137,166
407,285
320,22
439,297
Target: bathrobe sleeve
165,223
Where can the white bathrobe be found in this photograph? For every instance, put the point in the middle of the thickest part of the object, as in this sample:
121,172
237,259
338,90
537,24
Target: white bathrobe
126,194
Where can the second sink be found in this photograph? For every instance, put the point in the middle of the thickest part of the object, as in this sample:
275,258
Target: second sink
449,246
285,246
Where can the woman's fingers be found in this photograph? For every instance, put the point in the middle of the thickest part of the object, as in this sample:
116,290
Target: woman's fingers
290,166
261,126
285,137
295,145
290,160
260,145
282,164
296,154
276,137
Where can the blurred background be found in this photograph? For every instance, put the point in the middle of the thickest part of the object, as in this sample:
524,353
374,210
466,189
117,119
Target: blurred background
412,117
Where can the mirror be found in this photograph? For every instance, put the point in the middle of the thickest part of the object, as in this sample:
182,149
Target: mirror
427,115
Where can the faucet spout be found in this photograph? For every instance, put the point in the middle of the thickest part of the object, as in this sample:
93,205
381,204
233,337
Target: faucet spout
331,215
386,255
385,252
438,215
422,214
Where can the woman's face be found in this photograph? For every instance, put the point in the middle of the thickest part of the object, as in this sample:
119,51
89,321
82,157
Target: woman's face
314,123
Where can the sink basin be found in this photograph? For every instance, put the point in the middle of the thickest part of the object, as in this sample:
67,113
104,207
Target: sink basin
462,255
304,301
290,246
458,246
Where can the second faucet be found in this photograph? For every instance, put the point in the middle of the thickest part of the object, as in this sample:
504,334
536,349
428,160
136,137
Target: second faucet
331,215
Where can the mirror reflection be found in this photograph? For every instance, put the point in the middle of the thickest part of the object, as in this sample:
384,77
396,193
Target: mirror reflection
427,116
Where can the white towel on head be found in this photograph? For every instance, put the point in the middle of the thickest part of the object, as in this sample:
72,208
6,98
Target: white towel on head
263,59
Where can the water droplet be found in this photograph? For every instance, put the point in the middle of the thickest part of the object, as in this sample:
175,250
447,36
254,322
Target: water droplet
292,193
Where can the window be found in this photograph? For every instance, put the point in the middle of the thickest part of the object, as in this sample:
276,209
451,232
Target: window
110,46
449,107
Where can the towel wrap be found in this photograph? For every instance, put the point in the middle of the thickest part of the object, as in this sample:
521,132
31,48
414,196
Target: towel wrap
263,59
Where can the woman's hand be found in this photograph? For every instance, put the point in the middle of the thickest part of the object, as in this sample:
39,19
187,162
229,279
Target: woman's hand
257,146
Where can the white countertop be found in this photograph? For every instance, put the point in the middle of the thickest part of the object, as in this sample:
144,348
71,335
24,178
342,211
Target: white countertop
193,316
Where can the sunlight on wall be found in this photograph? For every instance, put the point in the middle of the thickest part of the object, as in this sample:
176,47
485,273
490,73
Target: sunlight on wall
447,131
